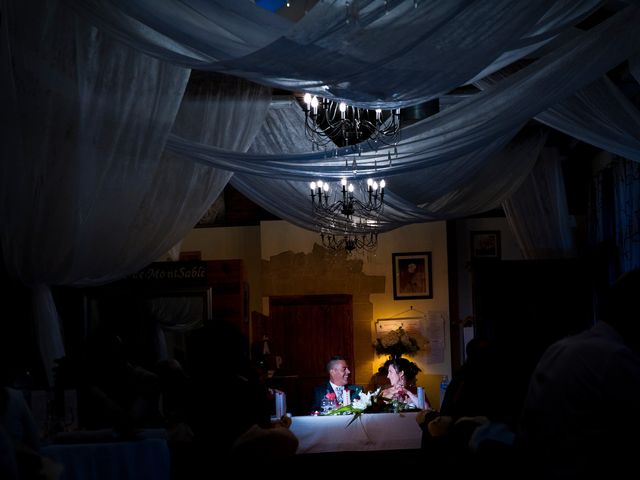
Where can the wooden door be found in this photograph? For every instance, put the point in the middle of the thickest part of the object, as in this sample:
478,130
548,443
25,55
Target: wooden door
306,331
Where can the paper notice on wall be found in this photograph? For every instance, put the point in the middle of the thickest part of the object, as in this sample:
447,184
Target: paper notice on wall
411,325
435,332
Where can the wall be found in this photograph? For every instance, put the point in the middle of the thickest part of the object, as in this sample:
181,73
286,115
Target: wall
510,251
230,243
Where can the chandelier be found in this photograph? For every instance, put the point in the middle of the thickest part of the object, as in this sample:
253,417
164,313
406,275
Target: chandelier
348,218
351,220
328,123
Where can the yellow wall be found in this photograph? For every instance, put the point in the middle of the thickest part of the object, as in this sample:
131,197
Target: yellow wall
231,243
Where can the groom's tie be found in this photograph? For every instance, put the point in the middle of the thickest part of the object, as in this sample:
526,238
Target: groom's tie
339,392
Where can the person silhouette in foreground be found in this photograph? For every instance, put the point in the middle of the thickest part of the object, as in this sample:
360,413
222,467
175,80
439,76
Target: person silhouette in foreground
472,427
338,382
580,416
230,409
113,392
20,455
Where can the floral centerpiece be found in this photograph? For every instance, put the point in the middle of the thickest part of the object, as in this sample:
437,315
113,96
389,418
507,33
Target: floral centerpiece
398,342
371,402
364,402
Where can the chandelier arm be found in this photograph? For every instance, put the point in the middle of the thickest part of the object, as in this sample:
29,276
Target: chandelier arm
352,221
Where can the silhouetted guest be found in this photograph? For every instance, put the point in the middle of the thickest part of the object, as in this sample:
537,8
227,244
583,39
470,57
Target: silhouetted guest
580,418
174,405
8,461
476,397
230,408
229,397
19,433
472,390
114,393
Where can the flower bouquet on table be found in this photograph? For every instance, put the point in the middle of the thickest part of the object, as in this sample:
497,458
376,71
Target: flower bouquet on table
395,406
364,403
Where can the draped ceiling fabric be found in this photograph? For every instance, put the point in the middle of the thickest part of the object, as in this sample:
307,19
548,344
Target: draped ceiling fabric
101,174
88,196
538,214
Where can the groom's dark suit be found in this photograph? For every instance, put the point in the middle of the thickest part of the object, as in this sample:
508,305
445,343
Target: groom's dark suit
319,392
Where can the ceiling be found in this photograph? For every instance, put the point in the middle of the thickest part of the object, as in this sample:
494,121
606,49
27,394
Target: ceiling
235,209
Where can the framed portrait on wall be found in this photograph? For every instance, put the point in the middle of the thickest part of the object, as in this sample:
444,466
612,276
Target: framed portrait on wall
486,244
412,275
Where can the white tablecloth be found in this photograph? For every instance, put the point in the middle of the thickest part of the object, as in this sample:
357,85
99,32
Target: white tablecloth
139,460
374,431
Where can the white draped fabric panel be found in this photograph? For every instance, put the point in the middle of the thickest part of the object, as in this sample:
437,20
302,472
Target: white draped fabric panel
88,122
370,52
538,214
88,196
104,169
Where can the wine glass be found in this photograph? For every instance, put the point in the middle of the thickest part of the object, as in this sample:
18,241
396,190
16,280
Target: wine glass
327,405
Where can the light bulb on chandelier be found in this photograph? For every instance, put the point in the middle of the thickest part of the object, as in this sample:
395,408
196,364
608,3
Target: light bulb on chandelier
329,123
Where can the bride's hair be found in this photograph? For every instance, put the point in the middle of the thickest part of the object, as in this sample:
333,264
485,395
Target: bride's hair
402,364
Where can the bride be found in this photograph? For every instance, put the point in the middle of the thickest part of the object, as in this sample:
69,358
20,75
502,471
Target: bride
402,376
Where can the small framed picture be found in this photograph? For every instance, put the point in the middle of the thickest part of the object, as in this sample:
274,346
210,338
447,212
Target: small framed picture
485,244
412,275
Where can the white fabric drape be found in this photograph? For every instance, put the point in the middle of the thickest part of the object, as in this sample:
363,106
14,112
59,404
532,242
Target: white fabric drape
370,52
614,213
627,213
87,197
207,104
537,212
598,114
81,181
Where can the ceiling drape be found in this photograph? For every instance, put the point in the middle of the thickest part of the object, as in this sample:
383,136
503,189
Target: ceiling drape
106,166
87,194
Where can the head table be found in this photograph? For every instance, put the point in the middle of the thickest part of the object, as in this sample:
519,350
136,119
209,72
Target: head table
371,431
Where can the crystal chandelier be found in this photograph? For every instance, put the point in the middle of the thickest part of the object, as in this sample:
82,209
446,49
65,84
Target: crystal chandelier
350,221
328,123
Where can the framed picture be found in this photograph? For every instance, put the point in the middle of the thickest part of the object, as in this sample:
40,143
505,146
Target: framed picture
485,244
412,275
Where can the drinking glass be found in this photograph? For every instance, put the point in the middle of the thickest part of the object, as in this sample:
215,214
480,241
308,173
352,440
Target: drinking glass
327,405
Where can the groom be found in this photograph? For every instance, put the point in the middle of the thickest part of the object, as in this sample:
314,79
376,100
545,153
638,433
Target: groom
338,381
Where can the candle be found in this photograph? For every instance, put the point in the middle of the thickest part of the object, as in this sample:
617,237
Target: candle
346,397
281,406
420,396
